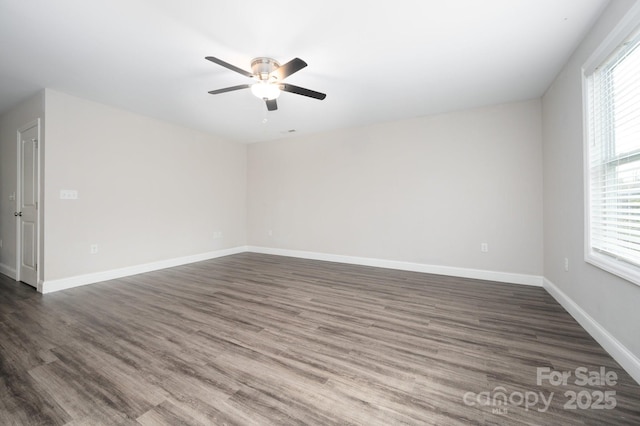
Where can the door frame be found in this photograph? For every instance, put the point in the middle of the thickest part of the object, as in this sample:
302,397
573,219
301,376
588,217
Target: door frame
34,123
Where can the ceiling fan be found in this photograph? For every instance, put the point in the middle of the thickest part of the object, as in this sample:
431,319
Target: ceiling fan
269,76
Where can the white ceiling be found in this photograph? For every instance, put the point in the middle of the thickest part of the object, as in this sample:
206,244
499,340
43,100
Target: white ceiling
376,60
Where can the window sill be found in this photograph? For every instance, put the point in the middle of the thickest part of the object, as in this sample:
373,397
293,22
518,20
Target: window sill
620,268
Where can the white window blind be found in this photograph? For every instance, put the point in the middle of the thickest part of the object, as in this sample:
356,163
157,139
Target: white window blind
613,127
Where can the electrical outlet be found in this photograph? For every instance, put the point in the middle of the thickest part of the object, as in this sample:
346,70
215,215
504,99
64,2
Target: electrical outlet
484,247
217,235
566,264
93,249
270,233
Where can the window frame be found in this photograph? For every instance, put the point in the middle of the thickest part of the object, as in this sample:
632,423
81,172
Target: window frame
625,29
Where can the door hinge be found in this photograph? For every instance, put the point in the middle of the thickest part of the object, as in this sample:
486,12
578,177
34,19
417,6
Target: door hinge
35,143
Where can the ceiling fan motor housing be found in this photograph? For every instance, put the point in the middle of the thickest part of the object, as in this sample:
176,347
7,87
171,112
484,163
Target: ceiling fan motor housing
263,68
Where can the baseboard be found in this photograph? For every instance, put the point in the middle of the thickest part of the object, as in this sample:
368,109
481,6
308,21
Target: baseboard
79,280
617,350
50,286
8,271
505,277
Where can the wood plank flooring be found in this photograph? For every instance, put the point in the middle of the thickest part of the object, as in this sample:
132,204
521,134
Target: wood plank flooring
254,339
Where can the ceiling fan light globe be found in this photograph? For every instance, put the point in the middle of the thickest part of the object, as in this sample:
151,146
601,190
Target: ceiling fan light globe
265,90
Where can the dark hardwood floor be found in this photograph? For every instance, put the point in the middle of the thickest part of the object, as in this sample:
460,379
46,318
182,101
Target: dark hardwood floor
258,340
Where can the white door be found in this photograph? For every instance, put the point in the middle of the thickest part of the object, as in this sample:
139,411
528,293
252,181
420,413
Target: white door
27,215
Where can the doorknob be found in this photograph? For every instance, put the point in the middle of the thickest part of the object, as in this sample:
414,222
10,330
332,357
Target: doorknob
17,213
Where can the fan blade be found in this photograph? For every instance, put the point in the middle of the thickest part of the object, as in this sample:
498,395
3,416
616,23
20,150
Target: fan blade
294,65
302,91
272,105
230,89
229,66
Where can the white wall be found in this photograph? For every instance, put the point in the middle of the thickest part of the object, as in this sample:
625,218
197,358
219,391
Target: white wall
611,302
148,190
22,114
427,190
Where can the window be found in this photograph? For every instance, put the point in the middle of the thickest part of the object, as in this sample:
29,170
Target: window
612,113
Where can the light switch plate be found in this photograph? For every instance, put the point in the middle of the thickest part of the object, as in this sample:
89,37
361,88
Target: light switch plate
68,194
